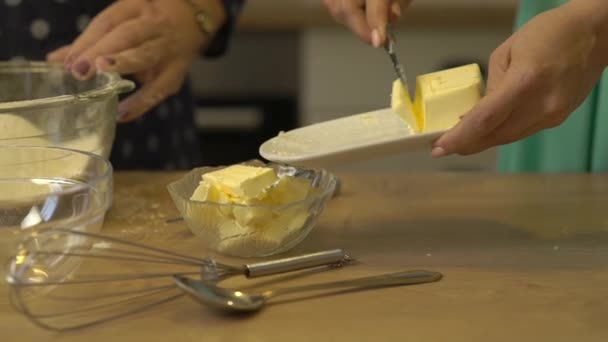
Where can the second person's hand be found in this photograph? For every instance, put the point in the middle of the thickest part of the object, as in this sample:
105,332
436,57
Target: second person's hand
537,78
367,18
155,40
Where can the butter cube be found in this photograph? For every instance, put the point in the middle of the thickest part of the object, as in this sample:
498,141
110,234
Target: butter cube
207,192
230,229
241,182
276,232
288,190
256,217
252,225
441,98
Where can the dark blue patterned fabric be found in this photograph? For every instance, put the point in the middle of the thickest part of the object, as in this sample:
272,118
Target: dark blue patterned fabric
164,138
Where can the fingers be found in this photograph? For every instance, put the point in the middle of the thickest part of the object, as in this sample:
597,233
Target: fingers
105,22
58,55
152,93
395,11
519,126
377,12
474,132
133,60
133,33
498,65
522,124
353,16
367,19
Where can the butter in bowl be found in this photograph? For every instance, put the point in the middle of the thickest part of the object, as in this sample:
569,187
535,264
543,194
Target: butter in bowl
252,209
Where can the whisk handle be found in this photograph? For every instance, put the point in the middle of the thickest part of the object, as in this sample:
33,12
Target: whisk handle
335,257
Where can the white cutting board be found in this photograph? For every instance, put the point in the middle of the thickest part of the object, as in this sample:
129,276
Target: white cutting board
352,138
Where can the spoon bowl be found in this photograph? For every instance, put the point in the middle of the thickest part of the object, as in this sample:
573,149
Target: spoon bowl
208,293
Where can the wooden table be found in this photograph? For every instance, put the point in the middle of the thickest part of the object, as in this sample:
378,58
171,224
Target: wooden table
525,258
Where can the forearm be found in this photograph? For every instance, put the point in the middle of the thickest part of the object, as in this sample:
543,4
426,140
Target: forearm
594,14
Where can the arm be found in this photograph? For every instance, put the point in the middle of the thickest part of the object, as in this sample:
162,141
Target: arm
537,78
597,13
156,41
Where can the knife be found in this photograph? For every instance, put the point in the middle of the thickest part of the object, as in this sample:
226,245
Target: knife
389,46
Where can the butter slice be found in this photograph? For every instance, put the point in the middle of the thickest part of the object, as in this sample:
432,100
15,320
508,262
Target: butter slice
241,182
441,98
401,103
288,190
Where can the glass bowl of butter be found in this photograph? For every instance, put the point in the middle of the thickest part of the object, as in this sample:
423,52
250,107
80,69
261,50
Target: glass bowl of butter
42,104
252,209
45,188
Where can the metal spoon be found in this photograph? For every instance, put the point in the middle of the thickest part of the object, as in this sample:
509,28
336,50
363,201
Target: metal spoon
210,294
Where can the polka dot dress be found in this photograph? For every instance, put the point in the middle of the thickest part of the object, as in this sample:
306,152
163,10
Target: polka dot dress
164,138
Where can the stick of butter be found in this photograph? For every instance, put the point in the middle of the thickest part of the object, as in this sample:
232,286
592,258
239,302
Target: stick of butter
441,98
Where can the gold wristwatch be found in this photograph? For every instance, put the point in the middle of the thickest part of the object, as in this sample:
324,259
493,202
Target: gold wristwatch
204,21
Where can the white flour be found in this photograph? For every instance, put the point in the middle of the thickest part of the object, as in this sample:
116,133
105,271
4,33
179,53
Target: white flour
16,130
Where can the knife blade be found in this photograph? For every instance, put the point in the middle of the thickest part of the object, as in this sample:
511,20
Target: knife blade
389,46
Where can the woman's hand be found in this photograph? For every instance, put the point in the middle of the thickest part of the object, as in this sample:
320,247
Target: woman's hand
155,40
540,75
367,18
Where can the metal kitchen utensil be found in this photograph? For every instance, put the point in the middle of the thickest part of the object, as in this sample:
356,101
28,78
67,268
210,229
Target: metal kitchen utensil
352,138
389,46
208,293
62,279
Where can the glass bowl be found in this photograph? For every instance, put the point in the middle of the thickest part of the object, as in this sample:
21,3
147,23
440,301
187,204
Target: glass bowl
41,104
268,229
44,188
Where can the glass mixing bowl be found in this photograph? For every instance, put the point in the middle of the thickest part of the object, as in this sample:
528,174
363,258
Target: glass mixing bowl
42,104
253,230
43,188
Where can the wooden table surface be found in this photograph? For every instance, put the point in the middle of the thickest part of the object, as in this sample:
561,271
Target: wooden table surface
524,258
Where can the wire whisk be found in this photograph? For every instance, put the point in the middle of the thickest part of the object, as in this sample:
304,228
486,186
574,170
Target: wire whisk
64,279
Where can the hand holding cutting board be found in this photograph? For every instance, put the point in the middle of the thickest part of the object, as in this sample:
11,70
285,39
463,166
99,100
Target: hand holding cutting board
537,77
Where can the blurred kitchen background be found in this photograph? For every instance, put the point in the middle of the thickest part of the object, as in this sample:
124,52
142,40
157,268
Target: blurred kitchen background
290,64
